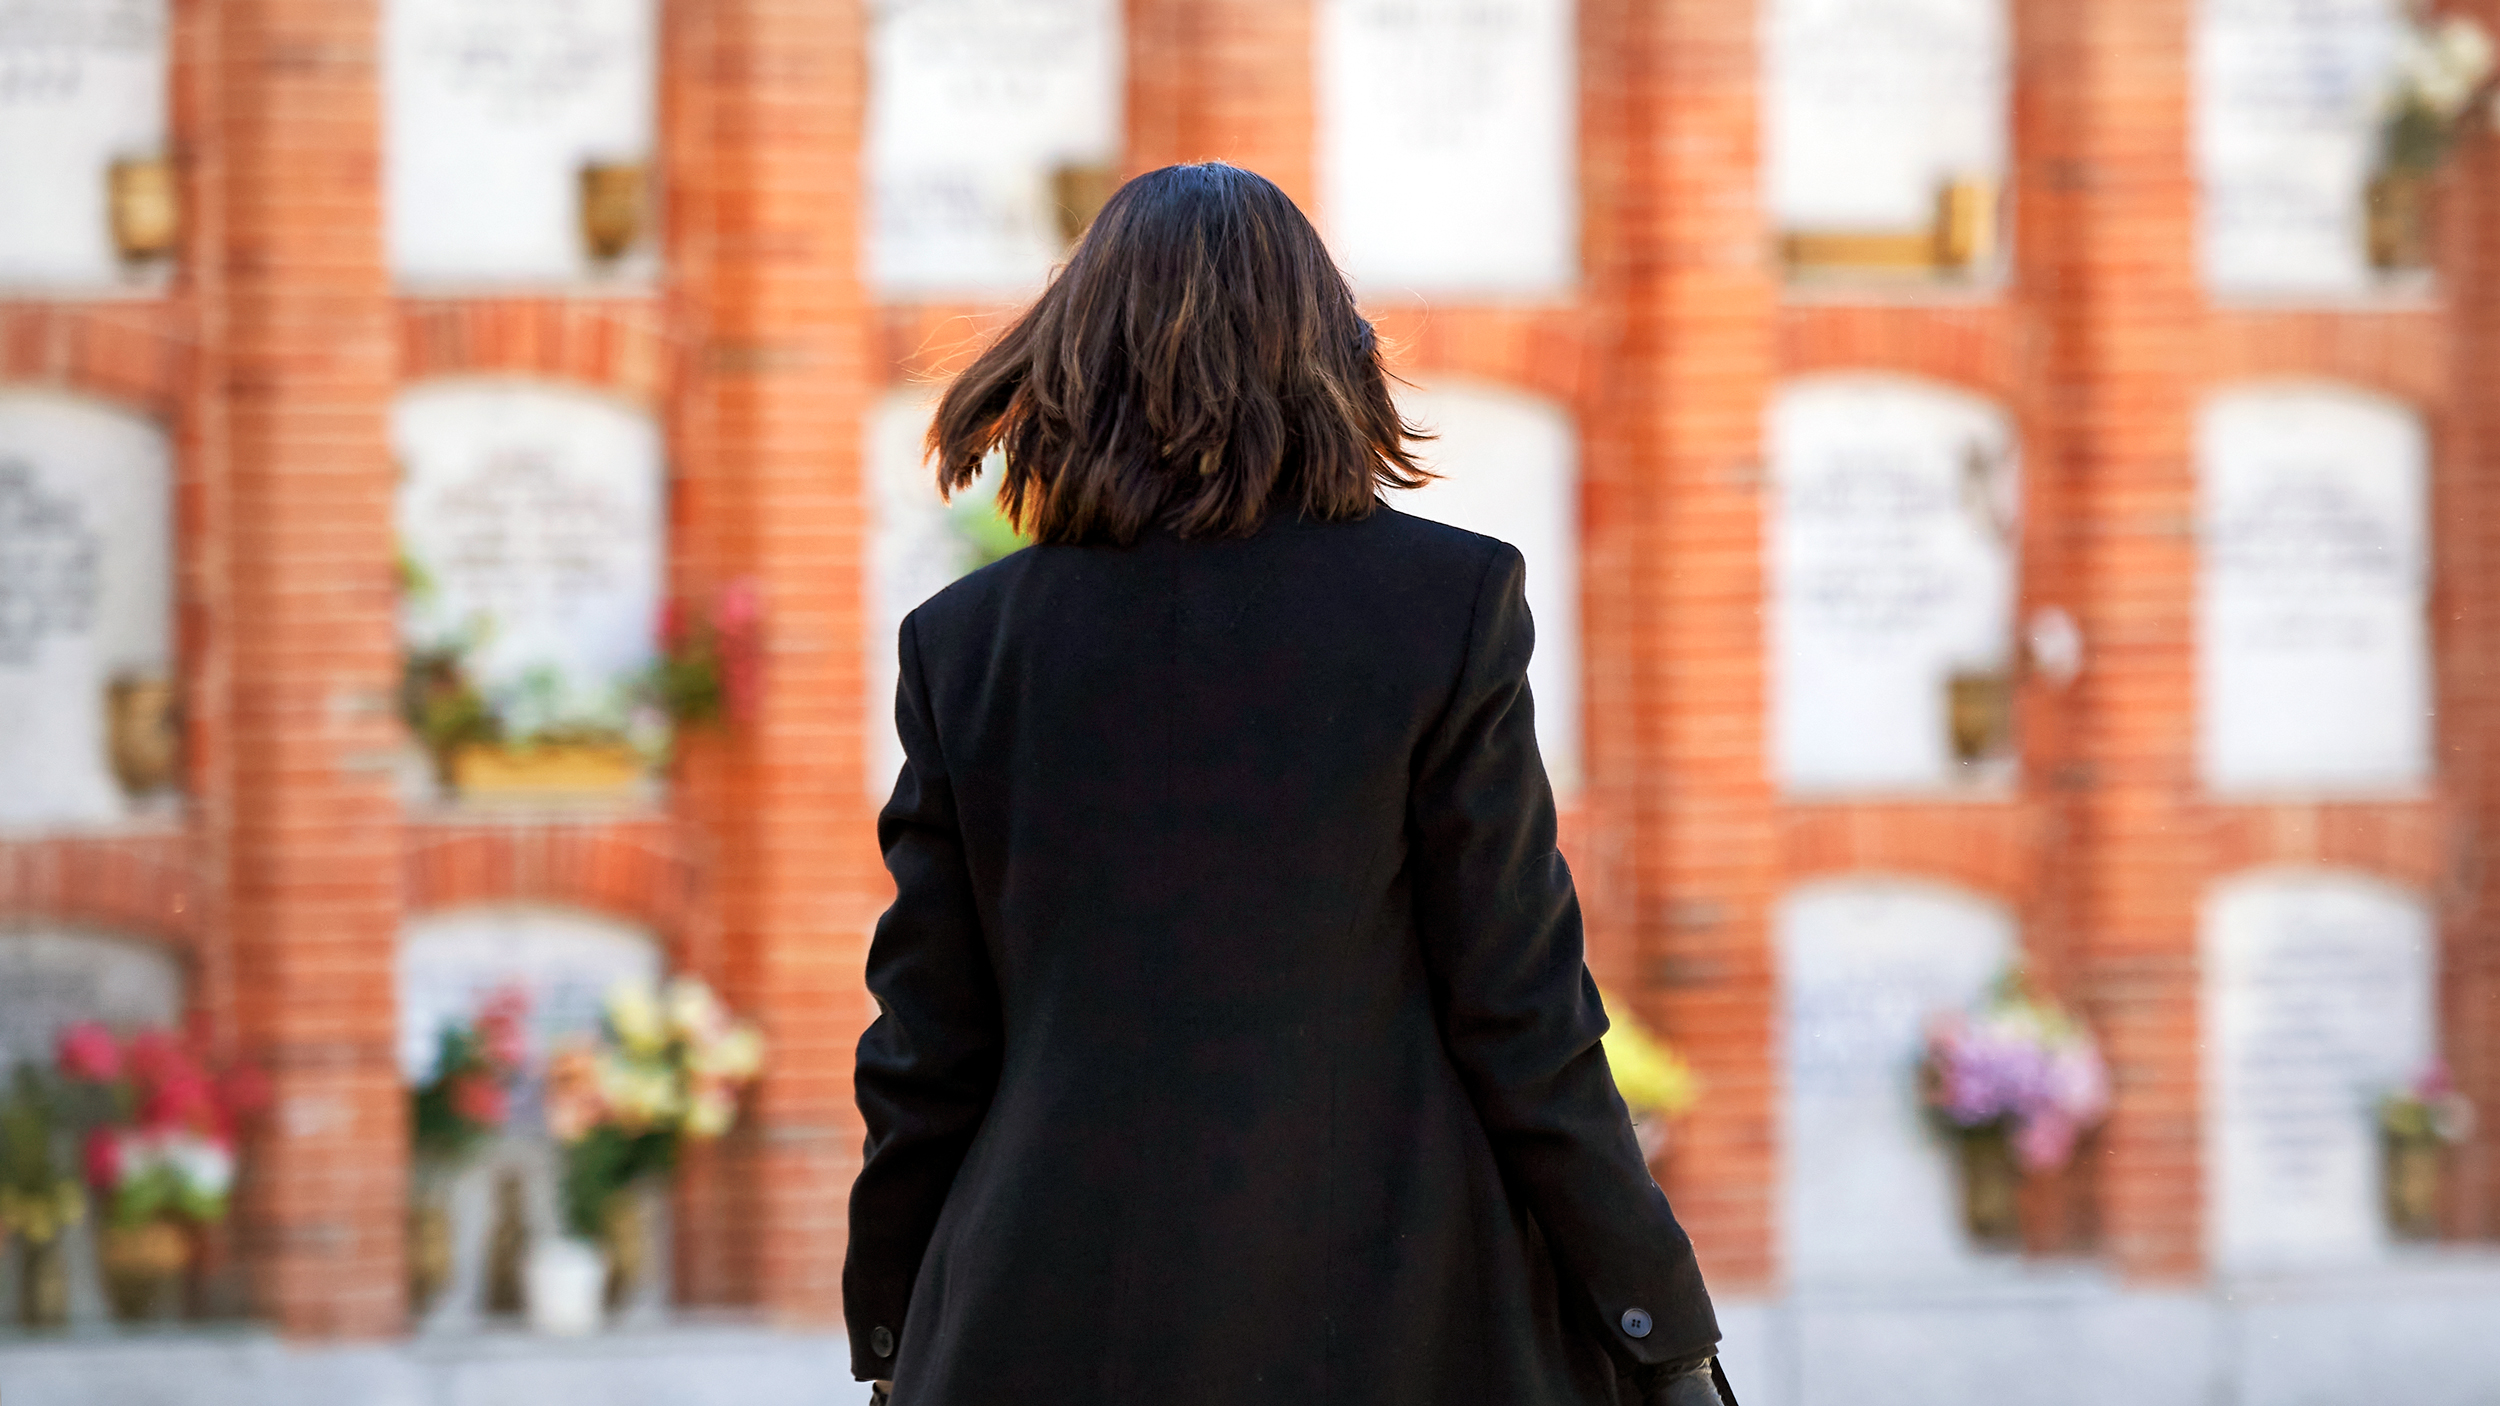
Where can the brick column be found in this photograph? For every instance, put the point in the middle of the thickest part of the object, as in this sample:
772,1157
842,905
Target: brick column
765,131
313,877
1679,267
1226,80
2107,261
2465,614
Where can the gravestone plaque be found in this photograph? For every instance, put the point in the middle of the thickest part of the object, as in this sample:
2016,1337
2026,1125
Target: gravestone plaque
2287,100
493,109
85,598
1892,571
82,85
51,979
2313,642
1510,466
1872,1193
1447,144
450,963
1874,106
973,106
2319,1000
532,520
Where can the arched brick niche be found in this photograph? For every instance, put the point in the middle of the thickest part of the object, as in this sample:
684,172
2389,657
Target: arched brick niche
619,345
639,870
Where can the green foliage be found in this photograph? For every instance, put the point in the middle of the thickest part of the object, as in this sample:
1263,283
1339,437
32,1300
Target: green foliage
605,1161
984,531
438,1128
441,705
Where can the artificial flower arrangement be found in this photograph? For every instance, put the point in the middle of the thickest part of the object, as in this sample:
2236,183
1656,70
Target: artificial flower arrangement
161,1128
2017,1082
711,664
2442,76
39,1197
668,1069
1656,1083
466,1099
2443,69
2417,1124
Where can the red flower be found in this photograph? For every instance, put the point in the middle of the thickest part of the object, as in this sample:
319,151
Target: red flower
156,1056
183,1099
103,1159
480,1100
87,1051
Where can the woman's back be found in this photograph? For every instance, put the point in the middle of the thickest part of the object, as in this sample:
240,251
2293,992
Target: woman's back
1235,1045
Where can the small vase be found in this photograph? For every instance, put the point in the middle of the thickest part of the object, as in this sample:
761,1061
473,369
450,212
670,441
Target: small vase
429,1251
42,1282
143,1268
1991,1189
625,1226
2400,221
565,1279
2413,1176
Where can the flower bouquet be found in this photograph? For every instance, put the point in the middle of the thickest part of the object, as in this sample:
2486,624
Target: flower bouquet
2017,1082
1655,1082
710,665
39,1198
464,1101
2442,75
2417,1125
160,1152
667,1070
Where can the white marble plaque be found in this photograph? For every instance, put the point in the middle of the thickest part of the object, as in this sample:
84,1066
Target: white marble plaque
1892,569
1872,1193
2313,654
2319,1000
972,105
1448,144
2288,96
51,979
451,962
82,84
492,108
533,521
1873,106
921,543
1510,466
86,597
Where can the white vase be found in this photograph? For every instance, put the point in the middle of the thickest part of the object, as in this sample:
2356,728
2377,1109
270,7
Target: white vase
567,1279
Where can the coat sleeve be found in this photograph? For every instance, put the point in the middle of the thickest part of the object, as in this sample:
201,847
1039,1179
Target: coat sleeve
1500,928
928,1066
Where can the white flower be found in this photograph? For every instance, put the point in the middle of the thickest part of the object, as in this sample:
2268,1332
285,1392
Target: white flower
203,1165
694,1013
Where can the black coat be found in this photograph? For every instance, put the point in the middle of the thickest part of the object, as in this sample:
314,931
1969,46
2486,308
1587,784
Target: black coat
1236,1047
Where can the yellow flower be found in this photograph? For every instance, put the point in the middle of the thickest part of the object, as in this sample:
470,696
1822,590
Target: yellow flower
736,1055
634,1017
1649,1074
711,1111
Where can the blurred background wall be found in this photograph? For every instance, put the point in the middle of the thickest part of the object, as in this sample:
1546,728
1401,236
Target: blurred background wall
2005,485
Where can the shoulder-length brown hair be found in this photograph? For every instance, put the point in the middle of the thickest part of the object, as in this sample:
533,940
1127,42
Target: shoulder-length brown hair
1197,364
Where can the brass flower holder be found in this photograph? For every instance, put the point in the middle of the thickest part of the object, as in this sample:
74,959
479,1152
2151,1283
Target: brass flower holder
615,205
146,206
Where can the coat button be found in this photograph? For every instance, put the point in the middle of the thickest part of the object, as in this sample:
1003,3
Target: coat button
882,1340
1635,1322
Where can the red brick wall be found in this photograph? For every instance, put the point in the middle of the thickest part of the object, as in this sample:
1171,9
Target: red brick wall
273,358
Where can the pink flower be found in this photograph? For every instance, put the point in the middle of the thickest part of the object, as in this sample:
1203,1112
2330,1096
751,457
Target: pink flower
87,1051
103,1159
480,1100
500,1027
